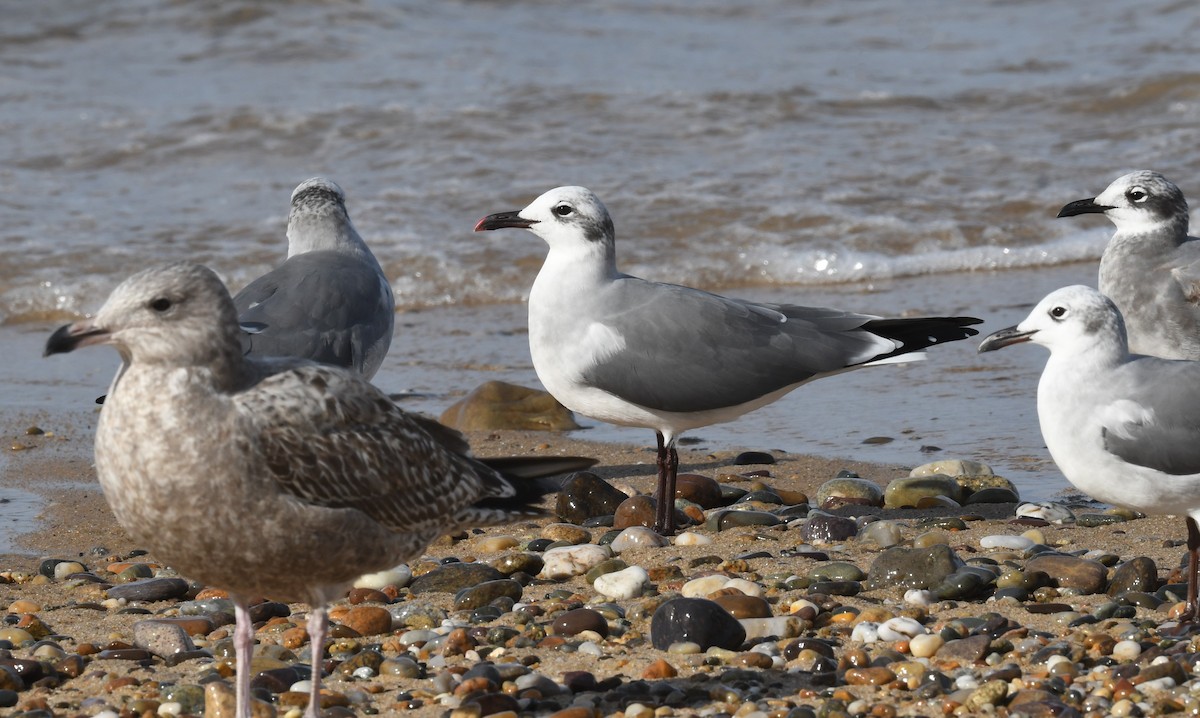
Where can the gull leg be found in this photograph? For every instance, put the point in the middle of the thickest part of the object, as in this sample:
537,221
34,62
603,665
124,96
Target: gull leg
1191,610
668,469
243,646
318,628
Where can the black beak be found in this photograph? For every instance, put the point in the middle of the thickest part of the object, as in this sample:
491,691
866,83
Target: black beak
70,337
500,220
1003,338
1083,206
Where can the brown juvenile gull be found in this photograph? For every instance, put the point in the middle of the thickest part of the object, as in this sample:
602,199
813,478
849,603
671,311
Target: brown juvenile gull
1151,266
329,301
267,477
638,353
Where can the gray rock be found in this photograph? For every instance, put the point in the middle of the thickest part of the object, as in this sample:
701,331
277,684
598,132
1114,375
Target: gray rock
912,567
150,589
161,638
454,577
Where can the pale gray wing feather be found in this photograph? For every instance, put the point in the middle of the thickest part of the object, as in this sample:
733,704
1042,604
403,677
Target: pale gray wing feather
328,307
1168,439
686,350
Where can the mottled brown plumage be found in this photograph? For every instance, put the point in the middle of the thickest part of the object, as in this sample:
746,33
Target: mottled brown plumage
266,477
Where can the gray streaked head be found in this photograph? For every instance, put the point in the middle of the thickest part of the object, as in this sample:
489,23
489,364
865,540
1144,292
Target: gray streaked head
1139,202
567,214
318,190
176,314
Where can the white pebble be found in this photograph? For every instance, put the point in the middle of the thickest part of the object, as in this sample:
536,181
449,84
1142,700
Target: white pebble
589,648
1055,660
1126,651
638,537
925,645
920,597
364,672
1014,543
701,587
966,682
1158,684
170,708
866,631
106,714
749,588
900,628
1047,511
567,561
301,686
802,603
63,569
781,626
691,538
624,584
399,576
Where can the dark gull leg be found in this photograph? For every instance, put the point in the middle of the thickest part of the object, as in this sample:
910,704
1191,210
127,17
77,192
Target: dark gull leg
318,628
668,468
243,646
1191,610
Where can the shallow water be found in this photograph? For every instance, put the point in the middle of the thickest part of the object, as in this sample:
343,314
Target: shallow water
877,155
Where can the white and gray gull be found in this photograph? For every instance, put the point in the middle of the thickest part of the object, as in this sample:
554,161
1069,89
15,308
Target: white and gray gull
272,477
1123,428
634,352
329,301
1151,266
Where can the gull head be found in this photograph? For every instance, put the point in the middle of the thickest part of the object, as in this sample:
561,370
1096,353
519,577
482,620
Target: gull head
174,314
1137,203
563,216
1072,319
317,191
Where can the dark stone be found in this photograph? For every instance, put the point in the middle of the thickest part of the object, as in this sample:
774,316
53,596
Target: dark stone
8,698
453,577
912,567
965,650
1071,572
827,528
277,680
747,458
1138,574
697,620
699,490
585,496
635,511
570,623
150,589
124,654
267,610
484,593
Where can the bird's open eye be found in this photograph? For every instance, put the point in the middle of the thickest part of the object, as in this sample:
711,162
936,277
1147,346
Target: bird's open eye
1136,194
161,304
1057,313
563,210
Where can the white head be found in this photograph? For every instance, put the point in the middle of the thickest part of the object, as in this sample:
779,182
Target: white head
564,217
1137,203
177,314
1074,320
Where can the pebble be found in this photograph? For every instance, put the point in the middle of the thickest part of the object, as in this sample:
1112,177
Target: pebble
823,528
568,533
486,592
570,623
1064,571
635,511
624,584
1047,511
162,638
150,589
912,568
453,577
1012,543
585,495
740,605
778,627
860,491
909,491
1137,574
925,645
882,533
367,620
695,620
700,490
638,537
900,628
691,538
567,561
724,520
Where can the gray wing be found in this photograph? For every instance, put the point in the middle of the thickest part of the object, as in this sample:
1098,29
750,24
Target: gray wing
325,306
686,350
1158,424
331,439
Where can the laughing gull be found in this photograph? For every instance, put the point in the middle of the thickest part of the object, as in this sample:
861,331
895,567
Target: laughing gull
330,300
1151,267
267,477
633,352
1124,429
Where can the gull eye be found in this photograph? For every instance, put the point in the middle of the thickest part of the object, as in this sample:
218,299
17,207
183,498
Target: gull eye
1136,194
1057,313
160,304
563,210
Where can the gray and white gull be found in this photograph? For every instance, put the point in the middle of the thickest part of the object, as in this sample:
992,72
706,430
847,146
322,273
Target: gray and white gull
1151,266
633,352
267,477
329,301
1123,428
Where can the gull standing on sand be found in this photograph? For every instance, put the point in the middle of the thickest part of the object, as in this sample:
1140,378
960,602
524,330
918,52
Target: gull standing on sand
267,477
1124,429
330,300
633,352
1151,267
